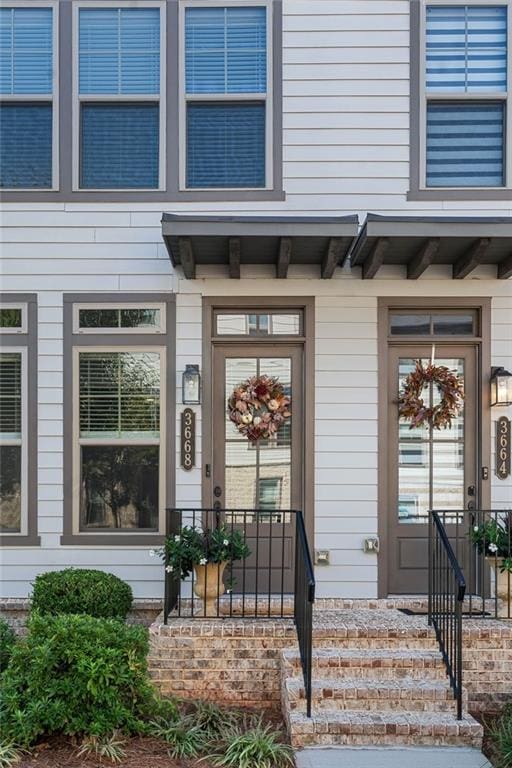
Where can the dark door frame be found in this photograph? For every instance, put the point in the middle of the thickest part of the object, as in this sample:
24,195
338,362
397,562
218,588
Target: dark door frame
482,343
307,305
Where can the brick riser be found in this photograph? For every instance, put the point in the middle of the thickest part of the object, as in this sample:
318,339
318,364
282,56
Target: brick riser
374,696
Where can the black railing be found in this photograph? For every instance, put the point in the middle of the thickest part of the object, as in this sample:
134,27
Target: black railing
274,580
303,603
446,593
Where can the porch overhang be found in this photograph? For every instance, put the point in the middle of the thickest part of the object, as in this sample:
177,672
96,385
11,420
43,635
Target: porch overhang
418,242
234,241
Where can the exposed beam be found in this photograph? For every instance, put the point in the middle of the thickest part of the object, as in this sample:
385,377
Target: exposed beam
187,259
234,258
374,261
423,259
505,268
283,257
332,257
471,258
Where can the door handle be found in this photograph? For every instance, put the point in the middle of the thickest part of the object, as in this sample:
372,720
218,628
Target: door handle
216,506
217,491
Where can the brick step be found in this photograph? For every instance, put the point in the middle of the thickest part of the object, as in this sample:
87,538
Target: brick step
332,727
404,694
382,663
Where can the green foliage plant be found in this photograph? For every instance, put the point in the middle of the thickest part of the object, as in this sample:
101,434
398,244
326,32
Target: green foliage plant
259,746
76,675
184,738
84,591
193,546
9,755
109,747
500,734
7,642
493,538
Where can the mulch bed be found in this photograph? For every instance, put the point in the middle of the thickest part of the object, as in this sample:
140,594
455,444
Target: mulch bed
59,752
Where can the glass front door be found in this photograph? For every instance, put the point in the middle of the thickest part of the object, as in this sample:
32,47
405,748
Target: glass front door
263,477
429,468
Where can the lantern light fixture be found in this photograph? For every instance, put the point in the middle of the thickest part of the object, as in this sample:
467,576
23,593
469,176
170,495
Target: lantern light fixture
191,385
501,386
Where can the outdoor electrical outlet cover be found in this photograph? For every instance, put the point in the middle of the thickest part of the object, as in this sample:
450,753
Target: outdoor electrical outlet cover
371,544
322,557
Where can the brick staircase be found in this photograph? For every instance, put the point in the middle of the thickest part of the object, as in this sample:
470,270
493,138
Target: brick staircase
378,679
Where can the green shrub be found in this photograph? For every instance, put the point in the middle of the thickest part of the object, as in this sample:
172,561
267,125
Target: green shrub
500,738
259,746
76,675
72,590
7,641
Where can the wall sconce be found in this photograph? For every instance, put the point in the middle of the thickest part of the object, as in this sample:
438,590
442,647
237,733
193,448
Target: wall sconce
191,385
501,386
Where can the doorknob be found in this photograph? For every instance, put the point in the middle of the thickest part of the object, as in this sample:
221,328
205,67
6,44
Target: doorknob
217,491
216,505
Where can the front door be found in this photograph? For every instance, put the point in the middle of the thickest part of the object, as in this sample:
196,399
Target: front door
264,477
428,468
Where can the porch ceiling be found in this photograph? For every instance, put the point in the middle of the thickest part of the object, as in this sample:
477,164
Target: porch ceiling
418,242
279,241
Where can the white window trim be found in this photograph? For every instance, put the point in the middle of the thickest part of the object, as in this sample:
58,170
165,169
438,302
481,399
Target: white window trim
48,98
23,326
184,98
119,305
78,99
23,441
425,97
78,442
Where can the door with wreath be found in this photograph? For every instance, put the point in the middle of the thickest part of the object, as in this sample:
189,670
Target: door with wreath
432,461
255,470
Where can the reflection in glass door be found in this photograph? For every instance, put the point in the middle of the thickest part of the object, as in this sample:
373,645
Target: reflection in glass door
428,468
264,477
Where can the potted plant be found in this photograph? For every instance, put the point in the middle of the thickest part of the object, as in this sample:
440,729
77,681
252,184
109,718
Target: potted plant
206,552
493,538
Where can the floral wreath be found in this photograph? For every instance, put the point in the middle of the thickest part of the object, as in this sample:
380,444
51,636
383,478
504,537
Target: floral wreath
411,405
259,407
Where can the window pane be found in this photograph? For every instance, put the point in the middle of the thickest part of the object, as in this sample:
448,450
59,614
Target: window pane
453,325
119,318
10,488
231,325
10,395
119,146
26,145
407,325
466,48
10,317
119,50
464,145
26,50
226,50
119,487
226,145
140,318
259,324
287,325
119,394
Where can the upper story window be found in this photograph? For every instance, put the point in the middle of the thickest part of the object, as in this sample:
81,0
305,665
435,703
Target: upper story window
226,106
28,96
119,104
465,96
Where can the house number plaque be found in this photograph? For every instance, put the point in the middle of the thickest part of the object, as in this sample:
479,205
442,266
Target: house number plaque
188,438
503,447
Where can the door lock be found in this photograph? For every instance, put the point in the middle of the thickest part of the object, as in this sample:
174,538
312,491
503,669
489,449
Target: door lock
471,490
217,491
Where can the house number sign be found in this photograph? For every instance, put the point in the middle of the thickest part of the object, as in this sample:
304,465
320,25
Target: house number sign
188,438
503,447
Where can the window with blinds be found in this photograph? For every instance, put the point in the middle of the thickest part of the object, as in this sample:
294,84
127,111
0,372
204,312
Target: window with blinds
119,59
119,439
226,96
26,93
466,63
10,441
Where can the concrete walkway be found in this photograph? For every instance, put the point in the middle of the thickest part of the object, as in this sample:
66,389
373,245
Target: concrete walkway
391,757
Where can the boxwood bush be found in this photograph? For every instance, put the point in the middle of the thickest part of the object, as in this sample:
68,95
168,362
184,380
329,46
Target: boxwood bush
75,675
87,591
7,641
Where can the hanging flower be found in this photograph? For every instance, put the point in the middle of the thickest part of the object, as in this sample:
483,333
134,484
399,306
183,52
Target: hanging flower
411,405
259,407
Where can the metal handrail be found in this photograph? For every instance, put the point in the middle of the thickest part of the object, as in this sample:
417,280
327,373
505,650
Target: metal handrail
303,604
447,589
